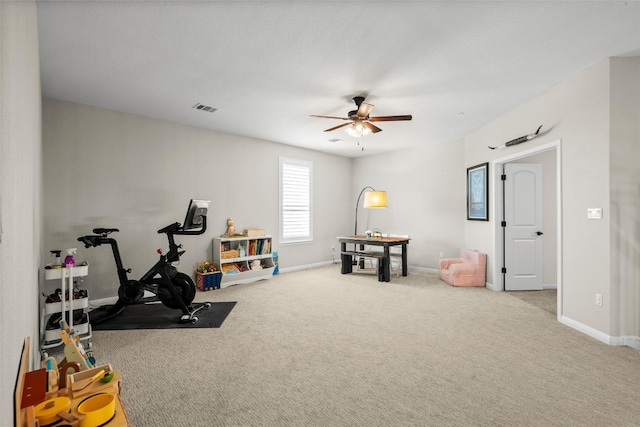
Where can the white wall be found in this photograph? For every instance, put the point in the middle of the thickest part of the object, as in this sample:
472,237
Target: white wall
596,116
109,169
578,111
20,193
625,196
426,198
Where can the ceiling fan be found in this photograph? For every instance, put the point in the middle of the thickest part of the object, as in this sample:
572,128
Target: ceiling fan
359,121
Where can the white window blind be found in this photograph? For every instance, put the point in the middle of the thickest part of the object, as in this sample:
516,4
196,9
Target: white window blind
295,200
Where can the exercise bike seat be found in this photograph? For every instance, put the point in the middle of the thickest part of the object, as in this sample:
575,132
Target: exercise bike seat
104,231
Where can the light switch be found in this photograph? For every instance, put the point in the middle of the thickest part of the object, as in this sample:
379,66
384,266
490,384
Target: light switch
594,213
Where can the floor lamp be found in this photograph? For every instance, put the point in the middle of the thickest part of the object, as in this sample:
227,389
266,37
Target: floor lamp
372,200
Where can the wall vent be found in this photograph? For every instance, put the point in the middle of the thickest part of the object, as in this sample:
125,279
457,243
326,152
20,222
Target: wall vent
336,140
206,108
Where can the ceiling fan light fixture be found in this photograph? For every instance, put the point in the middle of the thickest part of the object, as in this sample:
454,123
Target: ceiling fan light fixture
357,129
359,122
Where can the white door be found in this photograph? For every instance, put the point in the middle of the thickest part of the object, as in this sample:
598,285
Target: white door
523,230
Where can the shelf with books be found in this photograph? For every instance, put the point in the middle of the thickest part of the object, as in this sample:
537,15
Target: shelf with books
243,259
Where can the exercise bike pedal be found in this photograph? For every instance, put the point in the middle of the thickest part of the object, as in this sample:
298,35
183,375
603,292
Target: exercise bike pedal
188,318
191,317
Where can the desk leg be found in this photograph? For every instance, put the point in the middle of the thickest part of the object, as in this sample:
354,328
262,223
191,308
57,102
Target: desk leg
361,258
385,264
405,268
346,260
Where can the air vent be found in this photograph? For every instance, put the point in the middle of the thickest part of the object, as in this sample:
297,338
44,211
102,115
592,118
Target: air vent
336,140
206,108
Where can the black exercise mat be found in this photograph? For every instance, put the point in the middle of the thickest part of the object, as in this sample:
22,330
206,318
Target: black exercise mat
158,316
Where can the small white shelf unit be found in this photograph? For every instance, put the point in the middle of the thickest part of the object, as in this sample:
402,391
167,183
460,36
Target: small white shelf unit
264,254
51,337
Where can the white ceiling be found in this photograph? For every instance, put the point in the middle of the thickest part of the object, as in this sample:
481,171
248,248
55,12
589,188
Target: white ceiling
268,65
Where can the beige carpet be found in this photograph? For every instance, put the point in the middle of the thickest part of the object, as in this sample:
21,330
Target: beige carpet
545,299
317,348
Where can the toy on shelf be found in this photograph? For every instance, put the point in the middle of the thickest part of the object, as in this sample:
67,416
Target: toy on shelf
74,350
231,230
67,395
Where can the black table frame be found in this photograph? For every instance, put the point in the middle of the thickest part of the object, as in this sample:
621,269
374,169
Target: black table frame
384,258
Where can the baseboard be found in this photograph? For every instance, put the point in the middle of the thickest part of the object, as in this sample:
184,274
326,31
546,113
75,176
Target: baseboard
588,330
633,342
629,341
425,269
493,287
498,288
103,301
111,300
306,266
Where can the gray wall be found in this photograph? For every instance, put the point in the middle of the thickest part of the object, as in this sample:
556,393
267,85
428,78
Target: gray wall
109,169
595,115
625,196
577,113
426,197
20,193
581,113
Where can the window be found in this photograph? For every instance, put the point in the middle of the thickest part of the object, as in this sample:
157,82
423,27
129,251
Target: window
296,192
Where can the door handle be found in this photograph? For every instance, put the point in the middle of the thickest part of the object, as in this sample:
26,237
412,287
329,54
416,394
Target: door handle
539,233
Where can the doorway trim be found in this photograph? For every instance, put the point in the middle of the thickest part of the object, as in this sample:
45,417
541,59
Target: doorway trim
498,246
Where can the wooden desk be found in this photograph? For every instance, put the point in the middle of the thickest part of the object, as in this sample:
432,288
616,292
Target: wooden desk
383,258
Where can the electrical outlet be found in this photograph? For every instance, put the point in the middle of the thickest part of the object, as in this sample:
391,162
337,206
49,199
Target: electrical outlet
599,299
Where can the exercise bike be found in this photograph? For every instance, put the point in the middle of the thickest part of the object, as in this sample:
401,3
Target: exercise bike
174,289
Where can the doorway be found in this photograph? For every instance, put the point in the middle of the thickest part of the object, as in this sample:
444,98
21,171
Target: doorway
552,253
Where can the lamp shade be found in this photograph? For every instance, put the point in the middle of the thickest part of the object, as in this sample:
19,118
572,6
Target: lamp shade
375,199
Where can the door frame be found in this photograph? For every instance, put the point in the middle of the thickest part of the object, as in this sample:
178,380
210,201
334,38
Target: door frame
498,246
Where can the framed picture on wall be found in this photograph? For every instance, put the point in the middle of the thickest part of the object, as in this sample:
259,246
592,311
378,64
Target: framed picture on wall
478,192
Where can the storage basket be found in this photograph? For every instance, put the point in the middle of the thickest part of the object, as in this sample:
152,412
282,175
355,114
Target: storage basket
233,253
252,232
208,281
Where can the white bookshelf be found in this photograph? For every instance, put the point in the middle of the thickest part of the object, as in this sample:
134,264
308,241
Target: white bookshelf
263,253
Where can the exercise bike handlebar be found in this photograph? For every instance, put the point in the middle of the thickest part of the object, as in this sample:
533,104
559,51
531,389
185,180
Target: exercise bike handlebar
195,232
176,229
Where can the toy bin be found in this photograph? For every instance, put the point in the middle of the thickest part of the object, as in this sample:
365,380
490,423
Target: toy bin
208,281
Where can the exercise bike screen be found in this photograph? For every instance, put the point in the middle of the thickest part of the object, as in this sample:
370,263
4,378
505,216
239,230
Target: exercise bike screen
197,210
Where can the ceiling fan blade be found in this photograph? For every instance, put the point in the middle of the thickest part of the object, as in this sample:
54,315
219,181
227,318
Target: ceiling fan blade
330,117
390,118
337,127
364,109
373,128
